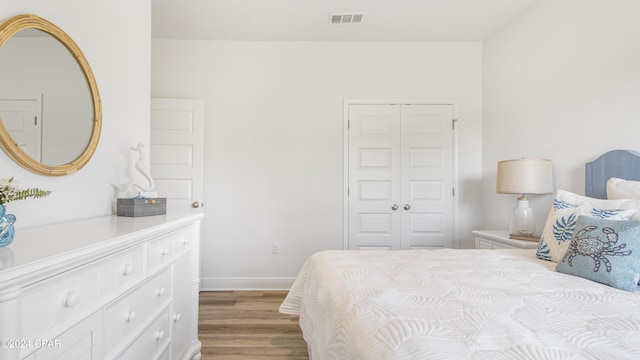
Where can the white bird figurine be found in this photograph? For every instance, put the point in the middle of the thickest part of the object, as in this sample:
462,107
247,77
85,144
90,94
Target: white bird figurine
143,170
131,189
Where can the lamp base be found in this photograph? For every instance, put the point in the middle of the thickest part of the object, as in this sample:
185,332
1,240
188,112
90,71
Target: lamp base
522,223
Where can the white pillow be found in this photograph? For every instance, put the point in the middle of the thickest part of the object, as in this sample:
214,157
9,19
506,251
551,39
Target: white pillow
623,189
567,206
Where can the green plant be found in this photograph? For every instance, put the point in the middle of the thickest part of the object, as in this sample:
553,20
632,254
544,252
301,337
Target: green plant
10,192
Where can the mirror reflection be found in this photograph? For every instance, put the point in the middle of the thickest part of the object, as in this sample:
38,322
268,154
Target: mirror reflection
45,100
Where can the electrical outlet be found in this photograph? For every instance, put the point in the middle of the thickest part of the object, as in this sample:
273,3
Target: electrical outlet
275,248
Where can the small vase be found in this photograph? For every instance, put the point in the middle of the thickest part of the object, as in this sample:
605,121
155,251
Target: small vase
6,227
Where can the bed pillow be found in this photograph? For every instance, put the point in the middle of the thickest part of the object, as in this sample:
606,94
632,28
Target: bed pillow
561,221
608,204
605,251
623,189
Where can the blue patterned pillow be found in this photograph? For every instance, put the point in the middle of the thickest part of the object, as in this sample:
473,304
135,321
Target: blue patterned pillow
605,251
561,222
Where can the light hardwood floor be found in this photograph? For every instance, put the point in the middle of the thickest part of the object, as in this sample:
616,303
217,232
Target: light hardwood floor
247,325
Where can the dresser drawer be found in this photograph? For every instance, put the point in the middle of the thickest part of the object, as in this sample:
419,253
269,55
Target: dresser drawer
152,342
122,271
160,252
83,341
52,302
164,250
182,241
130,313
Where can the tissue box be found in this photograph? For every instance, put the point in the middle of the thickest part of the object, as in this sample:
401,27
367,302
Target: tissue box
141,207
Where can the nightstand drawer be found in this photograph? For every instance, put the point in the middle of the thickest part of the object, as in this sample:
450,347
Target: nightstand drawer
488,244
495,239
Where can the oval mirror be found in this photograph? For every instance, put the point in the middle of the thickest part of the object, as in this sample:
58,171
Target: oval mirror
50,110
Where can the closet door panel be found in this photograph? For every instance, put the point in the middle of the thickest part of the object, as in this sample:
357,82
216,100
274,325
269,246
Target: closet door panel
427,176
374,176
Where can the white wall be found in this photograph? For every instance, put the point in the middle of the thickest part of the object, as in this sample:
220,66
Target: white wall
273,138
562,82
115,38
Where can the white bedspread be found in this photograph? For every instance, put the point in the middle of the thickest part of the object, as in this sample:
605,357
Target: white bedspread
458,304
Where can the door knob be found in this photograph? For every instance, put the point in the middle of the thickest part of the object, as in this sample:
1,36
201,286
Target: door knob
406,206
195,205
394,207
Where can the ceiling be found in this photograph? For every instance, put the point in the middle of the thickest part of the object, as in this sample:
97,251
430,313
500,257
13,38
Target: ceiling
308,20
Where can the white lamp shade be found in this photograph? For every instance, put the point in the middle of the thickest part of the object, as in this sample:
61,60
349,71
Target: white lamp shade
524,176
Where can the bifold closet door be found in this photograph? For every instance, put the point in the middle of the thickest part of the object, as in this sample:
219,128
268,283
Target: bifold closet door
400,176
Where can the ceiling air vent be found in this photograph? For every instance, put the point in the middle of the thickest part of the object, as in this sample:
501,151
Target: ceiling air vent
350,18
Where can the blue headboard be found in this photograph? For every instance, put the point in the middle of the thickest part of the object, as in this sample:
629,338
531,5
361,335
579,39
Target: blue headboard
623,164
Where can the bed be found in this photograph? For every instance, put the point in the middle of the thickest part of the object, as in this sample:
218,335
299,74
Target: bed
486,304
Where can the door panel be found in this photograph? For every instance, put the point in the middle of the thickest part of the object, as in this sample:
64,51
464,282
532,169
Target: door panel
177,148
374,163
427,175
400,176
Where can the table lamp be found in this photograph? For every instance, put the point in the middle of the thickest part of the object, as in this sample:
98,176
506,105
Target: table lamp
523,176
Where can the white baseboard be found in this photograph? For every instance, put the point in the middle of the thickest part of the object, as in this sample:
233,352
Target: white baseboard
220,284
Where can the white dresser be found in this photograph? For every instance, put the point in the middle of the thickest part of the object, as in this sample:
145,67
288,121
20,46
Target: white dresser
102,288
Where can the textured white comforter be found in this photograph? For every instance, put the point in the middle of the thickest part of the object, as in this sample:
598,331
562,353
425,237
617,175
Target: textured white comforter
458,304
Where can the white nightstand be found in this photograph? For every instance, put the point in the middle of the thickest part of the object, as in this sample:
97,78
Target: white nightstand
499,239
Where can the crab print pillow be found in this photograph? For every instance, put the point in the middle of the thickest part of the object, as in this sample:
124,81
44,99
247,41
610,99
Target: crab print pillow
605,251
562,218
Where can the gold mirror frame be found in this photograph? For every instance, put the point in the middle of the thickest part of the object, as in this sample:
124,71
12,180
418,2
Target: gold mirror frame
29,21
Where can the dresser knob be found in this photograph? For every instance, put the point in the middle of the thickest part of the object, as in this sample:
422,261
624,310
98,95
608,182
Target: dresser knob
159,335
165,251
160,291
71,299
177,317
130,317
127,270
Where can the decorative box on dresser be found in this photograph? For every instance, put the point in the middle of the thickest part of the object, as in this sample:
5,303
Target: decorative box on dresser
497,239
102,288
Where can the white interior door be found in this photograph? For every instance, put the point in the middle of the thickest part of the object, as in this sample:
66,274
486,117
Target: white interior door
427,176
177,148
374,176
22,118
400,176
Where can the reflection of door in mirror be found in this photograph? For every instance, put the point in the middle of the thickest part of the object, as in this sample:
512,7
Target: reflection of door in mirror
22,118
34,62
